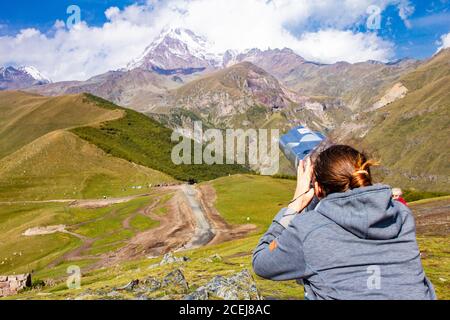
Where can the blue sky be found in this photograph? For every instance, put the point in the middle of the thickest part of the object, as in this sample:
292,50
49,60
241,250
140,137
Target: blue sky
430,20
324,31
19,14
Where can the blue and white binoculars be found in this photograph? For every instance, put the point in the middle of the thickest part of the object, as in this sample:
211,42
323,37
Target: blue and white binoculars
300,143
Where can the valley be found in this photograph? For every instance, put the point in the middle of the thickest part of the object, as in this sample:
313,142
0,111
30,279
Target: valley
124,248
107,233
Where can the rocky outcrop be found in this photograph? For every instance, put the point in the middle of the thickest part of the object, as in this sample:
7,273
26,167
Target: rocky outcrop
176,281
240,286
174,286
169,258
11,285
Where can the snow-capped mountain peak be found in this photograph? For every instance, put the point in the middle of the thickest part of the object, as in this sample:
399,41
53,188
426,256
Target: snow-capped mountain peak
197,45
181,51
34,73
177,50
12,78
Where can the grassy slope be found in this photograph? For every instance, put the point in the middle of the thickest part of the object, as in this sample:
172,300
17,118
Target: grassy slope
236,254
60,165
262,196
411,135
40,160
23,254
49,162
105,225
139,139
25,117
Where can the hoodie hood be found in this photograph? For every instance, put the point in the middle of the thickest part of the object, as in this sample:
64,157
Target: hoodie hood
367,212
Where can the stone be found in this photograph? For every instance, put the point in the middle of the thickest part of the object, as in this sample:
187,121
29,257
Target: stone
130,286
175,279
22,277
152,284
214,258
11,285
199,294
169,258
14,285
113,294
240,286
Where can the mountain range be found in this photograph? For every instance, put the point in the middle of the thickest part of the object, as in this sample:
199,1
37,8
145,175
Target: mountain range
178,56
12,78
179,79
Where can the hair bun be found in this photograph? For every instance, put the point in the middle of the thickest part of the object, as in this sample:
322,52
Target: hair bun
361,177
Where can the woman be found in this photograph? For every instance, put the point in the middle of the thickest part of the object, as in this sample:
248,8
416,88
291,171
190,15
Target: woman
355,243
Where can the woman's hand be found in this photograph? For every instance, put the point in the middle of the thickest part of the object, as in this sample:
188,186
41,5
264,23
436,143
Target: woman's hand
303,193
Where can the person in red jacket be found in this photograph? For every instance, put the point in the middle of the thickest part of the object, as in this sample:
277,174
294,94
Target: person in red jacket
397,195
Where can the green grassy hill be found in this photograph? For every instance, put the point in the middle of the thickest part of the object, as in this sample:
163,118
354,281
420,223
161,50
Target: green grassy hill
25,117
137,138
40,159
45,151
60,165
411,135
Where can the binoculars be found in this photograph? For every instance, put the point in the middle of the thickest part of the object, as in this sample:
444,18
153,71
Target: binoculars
300,143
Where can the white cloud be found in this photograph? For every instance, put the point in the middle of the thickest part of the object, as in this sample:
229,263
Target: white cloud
329,46
85,50
444,42
405,10
79,53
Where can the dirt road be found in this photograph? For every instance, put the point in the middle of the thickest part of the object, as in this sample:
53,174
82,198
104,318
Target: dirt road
432,216
190,221
203,232
84,203
188,224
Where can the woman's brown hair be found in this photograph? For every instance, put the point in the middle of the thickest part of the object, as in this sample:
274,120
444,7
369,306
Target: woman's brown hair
341,168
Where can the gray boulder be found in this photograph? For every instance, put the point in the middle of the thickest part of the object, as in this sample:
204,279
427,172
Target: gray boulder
169,258
240,286
175,280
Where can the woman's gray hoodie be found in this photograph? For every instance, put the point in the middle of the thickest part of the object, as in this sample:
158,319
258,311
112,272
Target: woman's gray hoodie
359,244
